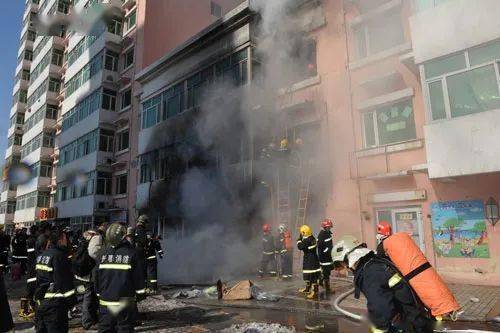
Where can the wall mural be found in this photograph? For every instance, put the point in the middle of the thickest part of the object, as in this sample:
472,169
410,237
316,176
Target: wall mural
459,229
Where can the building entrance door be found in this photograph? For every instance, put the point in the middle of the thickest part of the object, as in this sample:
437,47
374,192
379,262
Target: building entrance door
407,220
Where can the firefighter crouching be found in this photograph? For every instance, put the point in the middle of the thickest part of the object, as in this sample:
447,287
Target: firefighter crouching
285,251
392,304
153,248
268,262
55,292
325,245
310,267
119,282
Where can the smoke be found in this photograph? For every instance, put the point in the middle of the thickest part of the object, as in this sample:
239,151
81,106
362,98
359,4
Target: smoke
217,202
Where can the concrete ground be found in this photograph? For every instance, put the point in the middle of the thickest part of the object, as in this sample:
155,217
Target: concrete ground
291,313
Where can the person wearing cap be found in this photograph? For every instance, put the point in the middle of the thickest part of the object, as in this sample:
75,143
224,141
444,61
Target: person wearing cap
391,303
119,282
55,291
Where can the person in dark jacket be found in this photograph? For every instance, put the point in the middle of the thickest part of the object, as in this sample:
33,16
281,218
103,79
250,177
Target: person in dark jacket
325,245
4,249
28,303
311,270
55,292
141,240
153,248
391,302
285,249
6,322
119,282
268,262
20,249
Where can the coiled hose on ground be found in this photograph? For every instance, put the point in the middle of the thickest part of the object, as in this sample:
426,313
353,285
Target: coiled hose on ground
341,297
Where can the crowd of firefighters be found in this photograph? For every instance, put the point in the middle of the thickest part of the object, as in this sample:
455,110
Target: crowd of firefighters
404,293
108,270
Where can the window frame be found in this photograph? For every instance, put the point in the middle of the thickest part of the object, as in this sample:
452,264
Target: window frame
444,82
118,189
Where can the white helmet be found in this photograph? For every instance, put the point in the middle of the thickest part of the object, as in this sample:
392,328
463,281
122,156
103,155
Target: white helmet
282,228
343,247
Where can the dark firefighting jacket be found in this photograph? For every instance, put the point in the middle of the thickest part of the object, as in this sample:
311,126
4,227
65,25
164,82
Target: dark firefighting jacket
388,296
19,249
140,237
4,248
119,275
268,246
311,262
154,246
31,271
281,244
325,245
54,279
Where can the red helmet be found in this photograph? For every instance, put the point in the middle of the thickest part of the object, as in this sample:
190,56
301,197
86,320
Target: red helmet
266,227
384,228
327,223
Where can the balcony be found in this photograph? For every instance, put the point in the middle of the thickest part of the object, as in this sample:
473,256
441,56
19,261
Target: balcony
431,29
462,146
15,129
23,64
12,150
27,215
128,4
37,183
6,219
9,194
30,7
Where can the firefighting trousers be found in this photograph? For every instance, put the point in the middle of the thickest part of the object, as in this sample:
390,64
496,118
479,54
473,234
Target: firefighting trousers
152,274
123,322
51,317
6,323
286,264
326,271
268,264
90,306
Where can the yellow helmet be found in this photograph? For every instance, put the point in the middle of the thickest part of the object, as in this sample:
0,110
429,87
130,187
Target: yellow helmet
305,231
284,143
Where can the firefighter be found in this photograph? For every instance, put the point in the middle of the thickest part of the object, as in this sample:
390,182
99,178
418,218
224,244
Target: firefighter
20,249
310,267
268,262
392,304
153,248
4,249
384,230
55,292
325,245
119,282
285,251
141,240
6,322
27,304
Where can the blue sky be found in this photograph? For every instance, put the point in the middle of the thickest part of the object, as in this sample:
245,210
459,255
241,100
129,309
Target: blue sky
11,12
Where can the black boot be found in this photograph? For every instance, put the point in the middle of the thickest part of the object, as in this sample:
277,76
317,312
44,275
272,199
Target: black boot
327,285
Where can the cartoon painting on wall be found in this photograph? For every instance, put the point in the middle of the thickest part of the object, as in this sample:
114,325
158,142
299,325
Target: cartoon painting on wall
459,229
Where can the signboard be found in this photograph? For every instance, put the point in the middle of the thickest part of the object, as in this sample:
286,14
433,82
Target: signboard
459,229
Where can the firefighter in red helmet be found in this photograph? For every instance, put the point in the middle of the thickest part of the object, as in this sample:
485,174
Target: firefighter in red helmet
384,230
268,263
325,245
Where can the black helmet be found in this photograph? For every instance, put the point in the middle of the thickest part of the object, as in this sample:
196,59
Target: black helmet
115,234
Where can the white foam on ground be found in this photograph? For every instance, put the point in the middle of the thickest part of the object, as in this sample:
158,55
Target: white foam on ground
258,328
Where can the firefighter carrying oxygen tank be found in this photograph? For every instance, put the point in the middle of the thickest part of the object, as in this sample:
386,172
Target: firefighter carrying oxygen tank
392,304
384,230
325,246
119,282
310,267
285,251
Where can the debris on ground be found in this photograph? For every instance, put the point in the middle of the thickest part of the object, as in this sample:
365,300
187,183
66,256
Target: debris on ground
258,328
261,295
474,300
159,303
240,291
193,293
211,292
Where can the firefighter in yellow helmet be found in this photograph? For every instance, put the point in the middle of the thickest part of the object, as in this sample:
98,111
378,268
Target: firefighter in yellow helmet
310,267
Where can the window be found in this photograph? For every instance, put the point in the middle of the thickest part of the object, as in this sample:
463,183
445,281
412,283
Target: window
42,169
33,199
79,148
121,184
82,110
88,71
111,61
28,55
68,191
126,98
54,85
115,26
379,34
25,75
109,100
130,21
103,184
57,57
106,140
215,9
123,140
303,60
464,83
128,58
15,139
389,124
